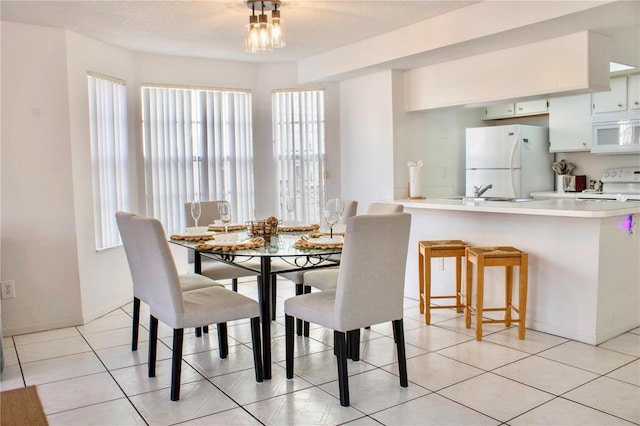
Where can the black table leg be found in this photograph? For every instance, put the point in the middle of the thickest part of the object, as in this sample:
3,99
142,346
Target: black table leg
264,298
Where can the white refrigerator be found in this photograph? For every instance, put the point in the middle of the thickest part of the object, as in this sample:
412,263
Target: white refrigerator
515,159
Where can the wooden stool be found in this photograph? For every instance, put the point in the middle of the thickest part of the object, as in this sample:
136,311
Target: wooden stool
508,257
441,248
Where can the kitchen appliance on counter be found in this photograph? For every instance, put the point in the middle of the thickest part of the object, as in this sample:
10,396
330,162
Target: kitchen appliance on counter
576,183
514,159
619,184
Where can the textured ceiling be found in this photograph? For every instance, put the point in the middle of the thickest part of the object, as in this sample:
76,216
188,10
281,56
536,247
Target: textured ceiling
215,29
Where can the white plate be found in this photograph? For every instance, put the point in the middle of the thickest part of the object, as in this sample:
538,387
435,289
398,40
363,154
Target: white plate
215,243
326,241
198,234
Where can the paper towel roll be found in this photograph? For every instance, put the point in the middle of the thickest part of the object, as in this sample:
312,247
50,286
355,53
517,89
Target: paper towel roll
415,183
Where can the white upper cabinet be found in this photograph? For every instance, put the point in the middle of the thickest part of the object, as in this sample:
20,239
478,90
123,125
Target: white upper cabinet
498,111
633,92
612,101
570,123
539,106
518,109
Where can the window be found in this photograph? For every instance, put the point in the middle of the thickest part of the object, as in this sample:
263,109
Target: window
109,156
198,144
298,134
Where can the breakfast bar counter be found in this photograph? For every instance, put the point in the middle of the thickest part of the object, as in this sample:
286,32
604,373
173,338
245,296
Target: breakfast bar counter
584,273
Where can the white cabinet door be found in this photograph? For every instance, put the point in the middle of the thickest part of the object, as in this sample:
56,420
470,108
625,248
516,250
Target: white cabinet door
612,101
539,106
570,123
633,92
498,111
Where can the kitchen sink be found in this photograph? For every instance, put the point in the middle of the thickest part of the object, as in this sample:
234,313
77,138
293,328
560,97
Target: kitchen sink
478,199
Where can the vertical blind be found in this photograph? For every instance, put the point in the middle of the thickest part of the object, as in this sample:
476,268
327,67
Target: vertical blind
109,156
298,134
198,144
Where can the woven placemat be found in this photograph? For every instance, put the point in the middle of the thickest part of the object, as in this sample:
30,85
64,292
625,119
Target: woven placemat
230,228
251,244
318,234
304,243
183,237
300,228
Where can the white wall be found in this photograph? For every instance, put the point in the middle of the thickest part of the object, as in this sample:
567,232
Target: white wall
105,281
39,236
366,133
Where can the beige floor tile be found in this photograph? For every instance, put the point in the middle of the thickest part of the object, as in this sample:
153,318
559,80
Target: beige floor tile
244,389
52,348
544,374
60,368
209,363
533,342
588,357
432,409
495,396
11,378
306,407
484,355
629,373
78,392
567,413
197,399
233,417
383,351
117,412
109,322
434,338
376,390
122,356
611,396
434,372
135,380
44,336
628,343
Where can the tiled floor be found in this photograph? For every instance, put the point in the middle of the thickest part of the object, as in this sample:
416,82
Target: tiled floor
88,376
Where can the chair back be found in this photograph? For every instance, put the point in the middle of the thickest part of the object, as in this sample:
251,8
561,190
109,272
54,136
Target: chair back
384,208
153,271
208,214
370,287
350,210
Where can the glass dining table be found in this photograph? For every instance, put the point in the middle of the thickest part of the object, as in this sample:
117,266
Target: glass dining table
291,258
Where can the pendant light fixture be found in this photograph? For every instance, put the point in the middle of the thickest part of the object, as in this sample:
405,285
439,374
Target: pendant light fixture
264,36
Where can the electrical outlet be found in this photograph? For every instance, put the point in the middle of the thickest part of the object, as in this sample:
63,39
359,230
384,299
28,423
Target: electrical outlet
8,289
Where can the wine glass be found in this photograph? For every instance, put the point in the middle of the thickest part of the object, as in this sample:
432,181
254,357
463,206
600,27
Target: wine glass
336,205
196,211
291,206
332,217
224,208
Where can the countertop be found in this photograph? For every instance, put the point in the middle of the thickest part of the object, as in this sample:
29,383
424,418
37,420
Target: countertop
549,207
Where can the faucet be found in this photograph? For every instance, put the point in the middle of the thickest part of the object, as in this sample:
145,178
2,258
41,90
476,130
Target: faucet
477,192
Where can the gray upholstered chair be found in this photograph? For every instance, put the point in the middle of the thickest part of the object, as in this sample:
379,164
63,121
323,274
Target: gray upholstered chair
326,279
350,210
157,283
370,291
209,267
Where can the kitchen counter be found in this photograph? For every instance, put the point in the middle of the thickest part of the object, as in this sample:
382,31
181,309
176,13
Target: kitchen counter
536,207
584,274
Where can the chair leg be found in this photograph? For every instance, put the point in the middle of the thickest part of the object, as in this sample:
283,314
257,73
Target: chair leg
176,363
305,324
274,286
398,328
223,341
257,348
288,333
343,377
234,284
198,331
353,345
136,324
153,344
299,291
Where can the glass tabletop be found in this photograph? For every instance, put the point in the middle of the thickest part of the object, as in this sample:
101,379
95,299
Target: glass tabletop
281,245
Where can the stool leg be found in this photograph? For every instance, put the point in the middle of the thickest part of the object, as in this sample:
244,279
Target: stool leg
421,278
458,283
479,297
522,302
426,262
468,294
508,293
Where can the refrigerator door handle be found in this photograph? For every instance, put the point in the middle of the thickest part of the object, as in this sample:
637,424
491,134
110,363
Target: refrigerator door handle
511,157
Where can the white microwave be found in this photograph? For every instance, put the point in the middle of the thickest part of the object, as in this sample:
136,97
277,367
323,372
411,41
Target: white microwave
617,133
